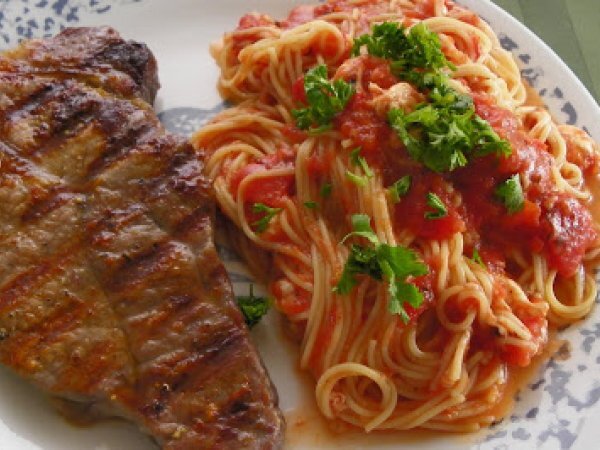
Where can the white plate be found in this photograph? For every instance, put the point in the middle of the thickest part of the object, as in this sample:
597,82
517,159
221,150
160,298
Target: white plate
558,410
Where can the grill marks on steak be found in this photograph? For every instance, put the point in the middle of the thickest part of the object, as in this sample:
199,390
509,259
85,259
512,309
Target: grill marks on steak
111,292
98,57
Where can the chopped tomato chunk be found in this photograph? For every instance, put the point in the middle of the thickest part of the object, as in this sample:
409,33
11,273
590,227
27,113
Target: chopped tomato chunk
268,190
410,212
251,20
298,92
360,123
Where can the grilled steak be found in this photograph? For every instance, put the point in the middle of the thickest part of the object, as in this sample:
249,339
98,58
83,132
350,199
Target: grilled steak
112,296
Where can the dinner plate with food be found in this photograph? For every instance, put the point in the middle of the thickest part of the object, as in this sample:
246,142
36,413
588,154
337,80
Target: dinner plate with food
357,224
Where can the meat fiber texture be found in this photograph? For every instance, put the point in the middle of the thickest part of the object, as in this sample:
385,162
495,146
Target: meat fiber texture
112,296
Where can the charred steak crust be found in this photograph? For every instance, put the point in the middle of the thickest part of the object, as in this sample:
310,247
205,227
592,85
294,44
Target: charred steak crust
112,296
98,57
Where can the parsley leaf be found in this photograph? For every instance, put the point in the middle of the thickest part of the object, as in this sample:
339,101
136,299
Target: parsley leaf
417,48
433,201
510,192
362,260
388,40
253,308
400,188
310,205
356,179
445,132
318,130
402,261
410,294
325,190
358,160
361,226
262,224
382,262
325,99
477,257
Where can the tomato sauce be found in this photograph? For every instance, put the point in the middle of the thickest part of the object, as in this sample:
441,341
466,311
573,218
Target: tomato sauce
359,122
324,336
487,338
298,91
293,134
271,190
293,301
299,15
588,161
251,20
364,127
550,221
520,356
422,10
425,284
366,8
305,13
373,70
319,166
411,211
569,229
376,70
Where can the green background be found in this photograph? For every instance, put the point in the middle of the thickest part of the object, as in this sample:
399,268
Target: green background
570,27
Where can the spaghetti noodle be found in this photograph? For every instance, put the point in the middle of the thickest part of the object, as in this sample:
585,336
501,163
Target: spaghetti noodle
496,278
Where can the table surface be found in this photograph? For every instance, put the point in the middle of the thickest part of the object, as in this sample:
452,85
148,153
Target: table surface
570,27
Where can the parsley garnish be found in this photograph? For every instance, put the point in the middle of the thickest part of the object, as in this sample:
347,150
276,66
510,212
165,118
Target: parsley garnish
433,201
310,205
261,225
325,99
382,262
417,48
358,160
356,179
510,193
399,188
253,308
361,226
444,133
477,258
325,190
